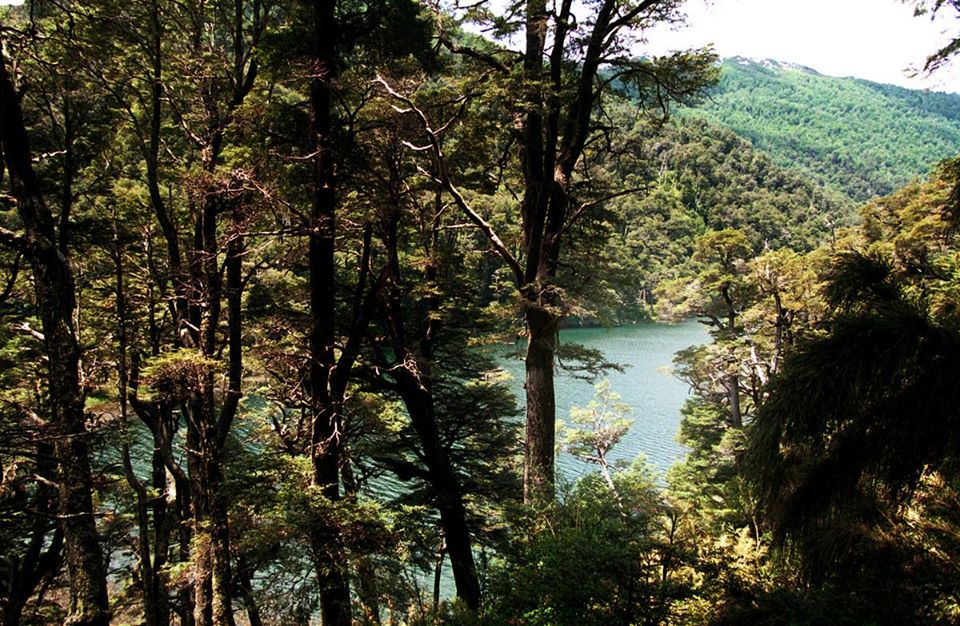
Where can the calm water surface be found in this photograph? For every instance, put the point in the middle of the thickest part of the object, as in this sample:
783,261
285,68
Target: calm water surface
647,385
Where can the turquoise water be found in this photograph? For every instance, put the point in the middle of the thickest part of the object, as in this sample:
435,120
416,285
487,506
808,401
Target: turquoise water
646,384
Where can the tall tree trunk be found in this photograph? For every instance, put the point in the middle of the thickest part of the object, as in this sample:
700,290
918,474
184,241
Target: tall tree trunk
415,386
553,141
58,309
208,427
326,434
732,380
540,434
438,575
200,550
159,418
732,384
148,586
448,495
156,607
201,512
210,548
221,570
161,543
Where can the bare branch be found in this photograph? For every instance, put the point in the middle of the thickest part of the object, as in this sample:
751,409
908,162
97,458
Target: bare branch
13,240
444,179
489,59
592,203
24,327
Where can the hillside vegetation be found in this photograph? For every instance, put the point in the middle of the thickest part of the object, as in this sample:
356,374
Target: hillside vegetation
860,138
705,177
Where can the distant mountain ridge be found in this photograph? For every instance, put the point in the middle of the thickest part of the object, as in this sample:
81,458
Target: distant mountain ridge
857,137
772,64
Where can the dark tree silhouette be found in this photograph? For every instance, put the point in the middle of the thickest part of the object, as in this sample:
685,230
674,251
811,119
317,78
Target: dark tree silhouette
858,416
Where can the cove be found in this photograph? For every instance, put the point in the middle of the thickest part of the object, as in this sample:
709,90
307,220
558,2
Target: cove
647,384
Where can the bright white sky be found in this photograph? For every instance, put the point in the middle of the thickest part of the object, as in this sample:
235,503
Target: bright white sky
873,39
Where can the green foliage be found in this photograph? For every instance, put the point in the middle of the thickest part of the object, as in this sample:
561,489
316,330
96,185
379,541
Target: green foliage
860,423
173,376
586,560
699,177
720,290
856,435
598,426
859,138
706,483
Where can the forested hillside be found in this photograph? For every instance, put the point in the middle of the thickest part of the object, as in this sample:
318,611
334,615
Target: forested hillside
705,177
860,138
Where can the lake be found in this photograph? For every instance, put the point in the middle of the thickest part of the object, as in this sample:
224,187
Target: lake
646,384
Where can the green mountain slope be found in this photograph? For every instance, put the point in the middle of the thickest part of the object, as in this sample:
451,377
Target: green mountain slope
702,177
857,137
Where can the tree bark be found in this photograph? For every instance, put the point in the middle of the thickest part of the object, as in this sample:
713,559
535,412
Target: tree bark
58,309
208,427
158,417
448,495
156,607
326,445
732,384
732,381
415,387
554,135
245,582
540,432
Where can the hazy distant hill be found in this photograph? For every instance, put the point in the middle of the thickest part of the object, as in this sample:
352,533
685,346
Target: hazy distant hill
857,137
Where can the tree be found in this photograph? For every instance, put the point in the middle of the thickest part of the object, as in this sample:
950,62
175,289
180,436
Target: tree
179,87
861,419
140,47
331,24
719,294
455,442
601,554
32,539
56,302
413,371
328,376
602,423
559,90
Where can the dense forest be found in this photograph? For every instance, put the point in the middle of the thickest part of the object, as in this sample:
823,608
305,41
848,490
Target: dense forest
260,261
855,137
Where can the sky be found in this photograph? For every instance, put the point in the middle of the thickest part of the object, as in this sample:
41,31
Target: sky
873,39
879,40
